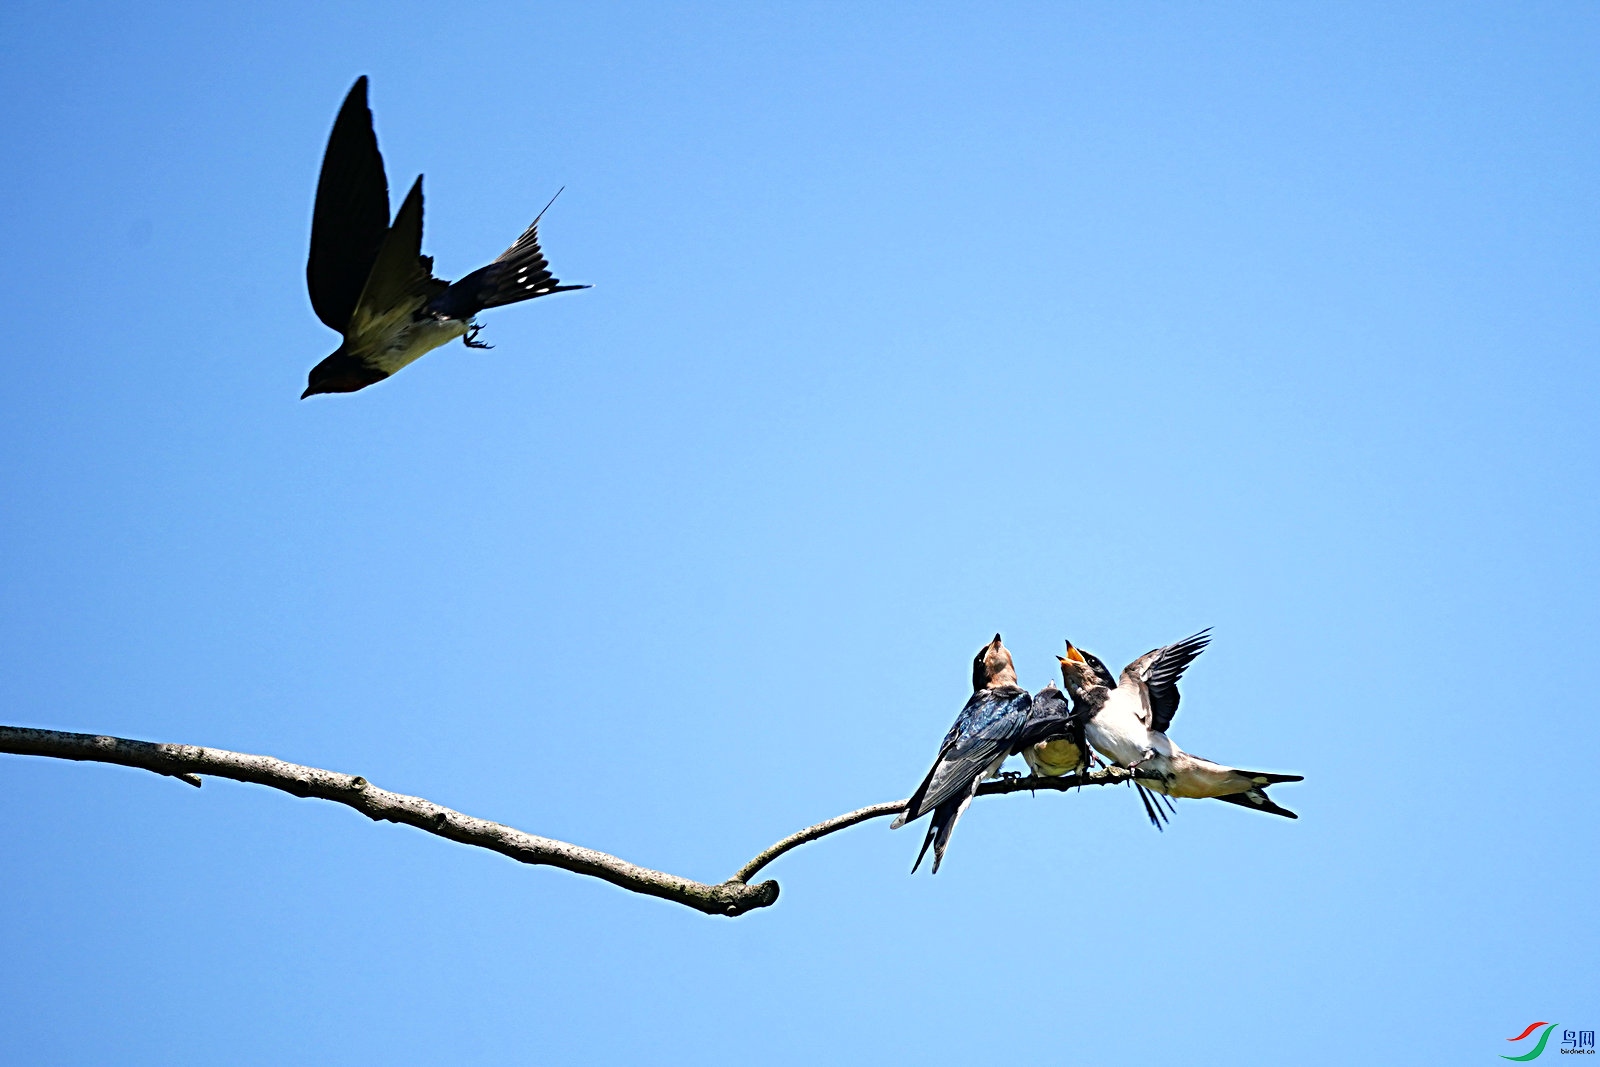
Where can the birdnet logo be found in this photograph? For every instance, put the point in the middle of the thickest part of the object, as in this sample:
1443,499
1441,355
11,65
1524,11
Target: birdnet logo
1573,1042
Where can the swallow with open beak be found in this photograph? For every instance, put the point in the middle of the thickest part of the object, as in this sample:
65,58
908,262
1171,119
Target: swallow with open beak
1052,742
369,279
1127,724
983,735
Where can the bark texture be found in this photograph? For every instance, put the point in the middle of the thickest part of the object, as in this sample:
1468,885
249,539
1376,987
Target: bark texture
189,763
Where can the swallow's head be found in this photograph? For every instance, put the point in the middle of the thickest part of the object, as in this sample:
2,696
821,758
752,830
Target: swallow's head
992,666
1078,675
1102,673
340,373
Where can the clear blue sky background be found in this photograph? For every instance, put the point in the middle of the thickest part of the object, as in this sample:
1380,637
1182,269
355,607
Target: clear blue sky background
911,323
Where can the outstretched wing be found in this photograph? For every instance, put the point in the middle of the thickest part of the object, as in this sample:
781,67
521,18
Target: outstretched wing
351,216
400,284
1158,672
984,732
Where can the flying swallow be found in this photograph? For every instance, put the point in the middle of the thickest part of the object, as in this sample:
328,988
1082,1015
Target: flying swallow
369,279
1127,723
983,735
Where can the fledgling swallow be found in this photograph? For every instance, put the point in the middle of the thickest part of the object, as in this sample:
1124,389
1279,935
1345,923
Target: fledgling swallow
983,735
1127,723
1082,712
369,279
1052,741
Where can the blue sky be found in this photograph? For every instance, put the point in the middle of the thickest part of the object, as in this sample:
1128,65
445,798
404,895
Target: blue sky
911,323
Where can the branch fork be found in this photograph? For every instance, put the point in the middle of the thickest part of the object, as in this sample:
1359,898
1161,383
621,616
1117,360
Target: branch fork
188,763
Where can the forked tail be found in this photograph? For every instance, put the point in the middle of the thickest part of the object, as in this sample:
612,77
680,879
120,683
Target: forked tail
940,827
1257,800
521,273
1263,778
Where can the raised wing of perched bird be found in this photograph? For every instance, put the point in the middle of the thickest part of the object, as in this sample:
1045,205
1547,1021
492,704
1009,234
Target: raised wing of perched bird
983,735
1128,725
1154,677
369,280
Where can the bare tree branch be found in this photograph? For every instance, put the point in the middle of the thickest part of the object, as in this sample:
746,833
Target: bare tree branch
1108,776
811,833
188,761
733,897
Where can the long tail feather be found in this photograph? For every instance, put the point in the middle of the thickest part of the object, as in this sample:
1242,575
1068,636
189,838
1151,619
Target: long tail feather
1257,800
1265,778
942,841
521,273
933,829
940,827
1152,811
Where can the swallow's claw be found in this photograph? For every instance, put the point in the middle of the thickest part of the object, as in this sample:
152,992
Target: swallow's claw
471,339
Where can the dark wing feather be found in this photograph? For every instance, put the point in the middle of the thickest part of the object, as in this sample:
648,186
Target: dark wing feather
1049,717
351,216
1165,672
399,270
401,283
1159,670
985,731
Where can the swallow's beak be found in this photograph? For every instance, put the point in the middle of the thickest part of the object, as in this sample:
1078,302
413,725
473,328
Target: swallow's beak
1073,655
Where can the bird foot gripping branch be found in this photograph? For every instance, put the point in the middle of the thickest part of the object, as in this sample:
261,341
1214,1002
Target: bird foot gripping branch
997,720
1123,718
734,897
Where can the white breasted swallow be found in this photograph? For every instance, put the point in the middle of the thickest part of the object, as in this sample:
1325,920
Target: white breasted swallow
1127,723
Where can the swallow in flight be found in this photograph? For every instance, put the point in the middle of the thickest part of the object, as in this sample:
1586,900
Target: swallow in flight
983,735
369,279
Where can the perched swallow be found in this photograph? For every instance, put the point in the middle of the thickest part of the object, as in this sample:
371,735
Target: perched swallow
369,279
1127,724
983,735
1080,716
1052,741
